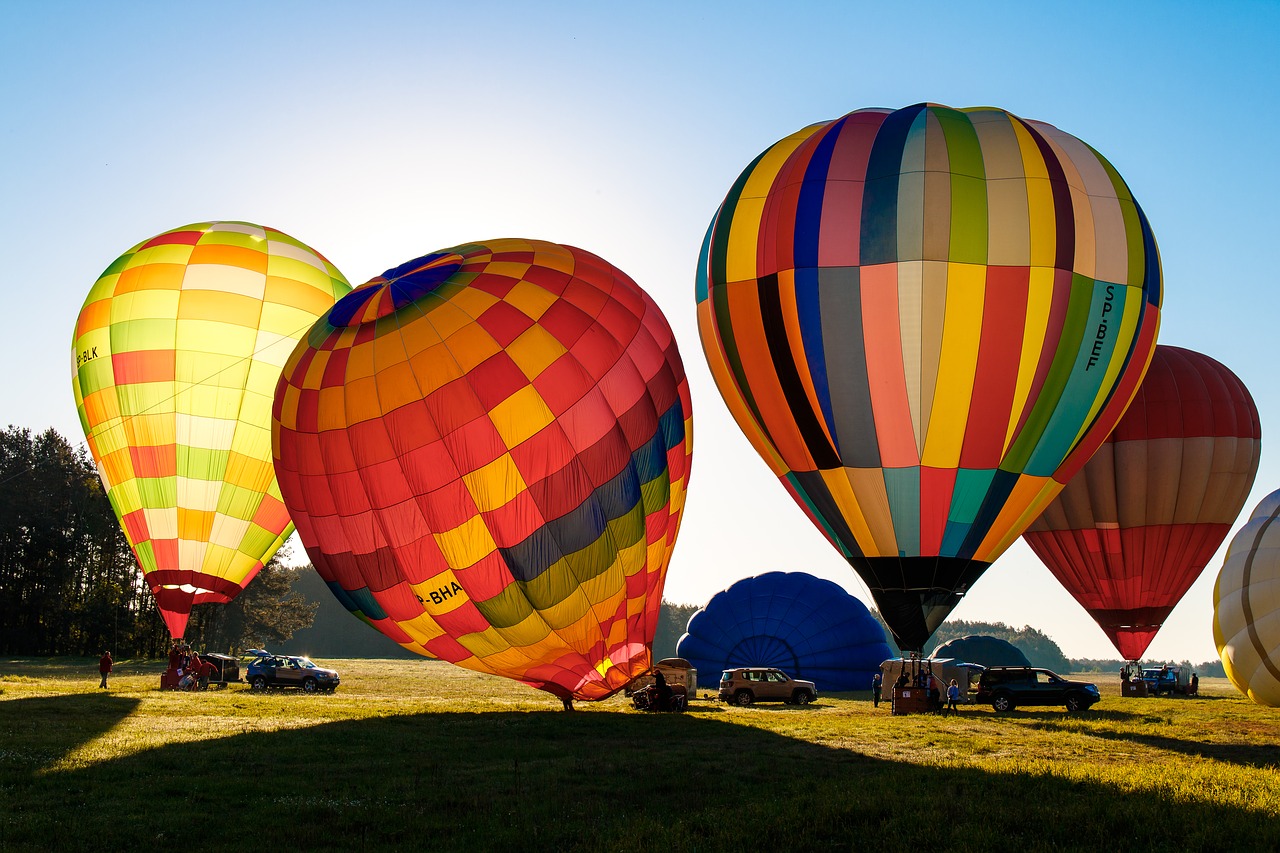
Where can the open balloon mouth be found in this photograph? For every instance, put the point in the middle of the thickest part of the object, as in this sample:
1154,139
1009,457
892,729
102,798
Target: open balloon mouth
394,289
189,589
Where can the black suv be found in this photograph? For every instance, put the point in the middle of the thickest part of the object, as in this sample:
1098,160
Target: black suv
1007,687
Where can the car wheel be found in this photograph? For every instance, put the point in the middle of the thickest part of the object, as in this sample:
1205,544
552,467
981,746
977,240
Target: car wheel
802,697
1075,703
743,698
1002,703
309,685
258,683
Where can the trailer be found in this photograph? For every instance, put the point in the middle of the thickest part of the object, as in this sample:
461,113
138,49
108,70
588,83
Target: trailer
226,669
678,672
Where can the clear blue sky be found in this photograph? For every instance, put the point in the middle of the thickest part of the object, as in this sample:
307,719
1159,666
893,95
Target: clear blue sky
379,131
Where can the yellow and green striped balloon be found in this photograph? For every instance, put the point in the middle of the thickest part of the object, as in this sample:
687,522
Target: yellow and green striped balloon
175,359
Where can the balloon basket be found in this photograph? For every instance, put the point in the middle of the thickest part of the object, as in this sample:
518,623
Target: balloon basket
912,700
1133,688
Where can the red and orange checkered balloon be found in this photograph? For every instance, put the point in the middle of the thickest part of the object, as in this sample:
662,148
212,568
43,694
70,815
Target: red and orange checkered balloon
485,452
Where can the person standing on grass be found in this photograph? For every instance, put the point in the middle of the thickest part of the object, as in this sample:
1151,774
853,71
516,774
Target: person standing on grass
190,671
204,673
953,696
104,667
876,682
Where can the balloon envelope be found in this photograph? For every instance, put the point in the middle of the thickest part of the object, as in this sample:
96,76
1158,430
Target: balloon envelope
981,649
808,627
1132,531
1246,606
925,320
175,357
486,451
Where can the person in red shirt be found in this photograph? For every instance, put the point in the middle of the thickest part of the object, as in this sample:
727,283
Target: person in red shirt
206,670
190,671
175,657
174,672
104,667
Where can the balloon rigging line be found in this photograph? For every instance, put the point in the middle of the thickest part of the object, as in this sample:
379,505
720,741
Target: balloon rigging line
121,420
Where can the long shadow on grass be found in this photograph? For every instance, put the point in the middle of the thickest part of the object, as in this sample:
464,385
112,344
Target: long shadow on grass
36,732
1060,717
1245,755
589,781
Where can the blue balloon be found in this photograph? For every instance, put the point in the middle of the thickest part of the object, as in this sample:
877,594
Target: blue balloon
982,649
805,626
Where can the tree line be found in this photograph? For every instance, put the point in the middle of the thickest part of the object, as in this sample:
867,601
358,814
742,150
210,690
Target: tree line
68,581
69,584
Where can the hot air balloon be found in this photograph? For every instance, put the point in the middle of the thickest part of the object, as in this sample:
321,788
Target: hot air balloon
925,320
808,627
486,451
1135,527
981,649
1246,606
175,358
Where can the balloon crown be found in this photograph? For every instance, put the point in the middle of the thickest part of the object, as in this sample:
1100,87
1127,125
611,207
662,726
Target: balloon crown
394,289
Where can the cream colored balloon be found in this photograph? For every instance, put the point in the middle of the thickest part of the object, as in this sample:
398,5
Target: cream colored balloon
1246,606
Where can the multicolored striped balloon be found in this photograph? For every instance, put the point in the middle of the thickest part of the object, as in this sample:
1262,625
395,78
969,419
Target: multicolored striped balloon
925,320
176,356
1135,527
486,451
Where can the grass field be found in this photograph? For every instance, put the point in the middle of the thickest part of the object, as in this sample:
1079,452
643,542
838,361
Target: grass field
419,755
